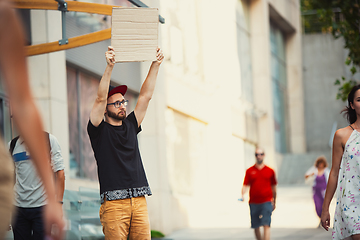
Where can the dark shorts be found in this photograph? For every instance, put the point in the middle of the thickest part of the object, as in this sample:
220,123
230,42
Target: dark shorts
260,214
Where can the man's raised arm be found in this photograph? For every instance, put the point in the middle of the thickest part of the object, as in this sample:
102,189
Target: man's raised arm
147,88
98,110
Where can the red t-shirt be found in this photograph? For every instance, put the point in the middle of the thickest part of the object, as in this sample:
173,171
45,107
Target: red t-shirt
260,182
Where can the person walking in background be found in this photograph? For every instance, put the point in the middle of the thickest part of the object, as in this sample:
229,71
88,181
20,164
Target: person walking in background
345,175
261,181
123,183
320,174
28,122
30,197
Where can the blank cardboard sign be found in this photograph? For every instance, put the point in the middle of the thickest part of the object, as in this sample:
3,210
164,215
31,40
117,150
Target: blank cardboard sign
134,34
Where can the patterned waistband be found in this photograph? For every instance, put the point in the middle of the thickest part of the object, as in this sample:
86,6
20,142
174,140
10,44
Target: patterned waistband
125,193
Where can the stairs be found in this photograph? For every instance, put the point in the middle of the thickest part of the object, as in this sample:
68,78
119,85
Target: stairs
293,166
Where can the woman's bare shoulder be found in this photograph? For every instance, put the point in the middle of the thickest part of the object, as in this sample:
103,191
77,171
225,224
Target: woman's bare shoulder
343,134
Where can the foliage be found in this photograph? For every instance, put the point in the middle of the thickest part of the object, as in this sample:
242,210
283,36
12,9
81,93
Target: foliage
342,19
345,88
157,234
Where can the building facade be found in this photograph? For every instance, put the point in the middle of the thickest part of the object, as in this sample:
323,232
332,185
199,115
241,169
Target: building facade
231,80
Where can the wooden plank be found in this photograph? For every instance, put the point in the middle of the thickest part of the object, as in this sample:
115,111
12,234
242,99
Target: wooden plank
96,8
73,6
37,4
73,42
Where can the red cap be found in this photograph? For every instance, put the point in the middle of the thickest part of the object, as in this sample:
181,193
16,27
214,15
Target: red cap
119,89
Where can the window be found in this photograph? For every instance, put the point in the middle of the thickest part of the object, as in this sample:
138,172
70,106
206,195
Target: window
244,50
5,119
6,130
26,22
278,76
82,89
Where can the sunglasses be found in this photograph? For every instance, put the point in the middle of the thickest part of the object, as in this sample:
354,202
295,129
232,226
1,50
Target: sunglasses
259,154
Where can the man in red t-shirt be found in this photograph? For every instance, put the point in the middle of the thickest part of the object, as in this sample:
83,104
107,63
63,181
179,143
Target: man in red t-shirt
262,183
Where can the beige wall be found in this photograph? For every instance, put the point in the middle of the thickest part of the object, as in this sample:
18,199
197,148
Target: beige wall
202,94
260,46
198,126
288,10
323,61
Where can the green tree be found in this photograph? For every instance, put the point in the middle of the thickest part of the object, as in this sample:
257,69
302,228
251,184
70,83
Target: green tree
342,19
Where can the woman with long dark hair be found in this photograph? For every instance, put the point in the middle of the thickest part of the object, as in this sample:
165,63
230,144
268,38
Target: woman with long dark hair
344,176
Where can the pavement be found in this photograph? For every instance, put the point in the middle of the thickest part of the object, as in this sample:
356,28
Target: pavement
247,234
293,219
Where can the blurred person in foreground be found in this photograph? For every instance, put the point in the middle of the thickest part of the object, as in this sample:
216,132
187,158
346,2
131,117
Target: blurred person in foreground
113,136
319,173
30,198
27,120
344,178
261,181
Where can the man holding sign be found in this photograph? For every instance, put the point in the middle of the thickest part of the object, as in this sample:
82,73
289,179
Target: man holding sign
113,136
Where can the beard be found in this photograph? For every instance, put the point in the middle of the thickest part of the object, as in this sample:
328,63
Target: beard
259,161
116,116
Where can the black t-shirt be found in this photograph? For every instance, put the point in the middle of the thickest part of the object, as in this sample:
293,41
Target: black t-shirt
120,169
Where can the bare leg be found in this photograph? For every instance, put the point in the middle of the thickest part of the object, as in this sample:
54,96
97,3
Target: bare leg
258,233
266,232
356,237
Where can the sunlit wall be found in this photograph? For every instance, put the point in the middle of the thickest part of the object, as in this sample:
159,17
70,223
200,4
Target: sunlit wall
214,102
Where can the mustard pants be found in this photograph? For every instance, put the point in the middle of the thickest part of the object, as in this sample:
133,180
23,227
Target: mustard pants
125,217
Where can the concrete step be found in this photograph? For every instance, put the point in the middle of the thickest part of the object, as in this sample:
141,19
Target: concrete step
293,166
